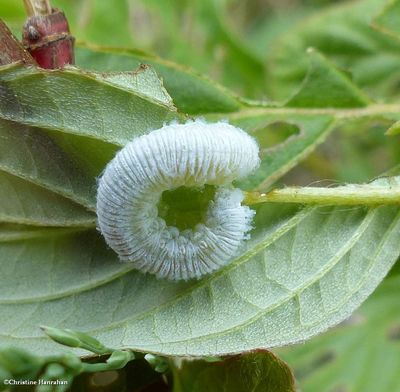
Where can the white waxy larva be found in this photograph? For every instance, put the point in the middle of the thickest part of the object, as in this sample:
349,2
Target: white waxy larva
194,154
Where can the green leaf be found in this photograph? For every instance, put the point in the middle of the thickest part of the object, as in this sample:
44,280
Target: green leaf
280,158
361,355
91,155
388,19
240,65
280,151
88,114
326,86
73,261
28,153
342,32
144,82
79,103
260,371
26,203
192,93
301,272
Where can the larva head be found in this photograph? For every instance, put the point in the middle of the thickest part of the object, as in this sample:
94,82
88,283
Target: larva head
166,204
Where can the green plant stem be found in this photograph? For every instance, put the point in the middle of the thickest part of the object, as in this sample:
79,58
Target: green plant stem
342,195
98,367
340,113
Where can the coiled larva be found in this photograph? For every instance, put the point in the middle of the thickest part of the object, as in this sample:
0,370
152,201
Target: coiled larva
198,161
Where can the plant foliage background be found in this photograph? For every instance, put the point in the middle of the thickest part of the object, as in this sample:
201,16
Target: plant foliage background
317,83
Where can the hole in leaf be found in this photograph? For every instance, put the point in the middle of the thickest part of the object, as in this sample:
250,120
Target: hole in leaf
275,133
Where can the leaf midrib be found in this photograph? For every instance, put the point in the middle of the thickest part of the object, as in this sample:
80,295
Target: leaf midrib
37,232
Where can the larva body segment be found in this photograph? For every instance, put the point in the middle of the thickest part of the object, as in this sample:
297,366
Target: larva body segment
194,154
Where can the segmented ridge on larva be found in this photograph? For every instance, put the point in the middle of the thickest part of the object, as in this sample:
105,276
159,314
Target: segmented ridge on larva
190,155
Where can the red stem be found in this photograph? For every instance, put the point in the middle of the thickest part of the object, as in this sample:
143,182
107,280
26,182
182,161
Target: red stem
48,40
